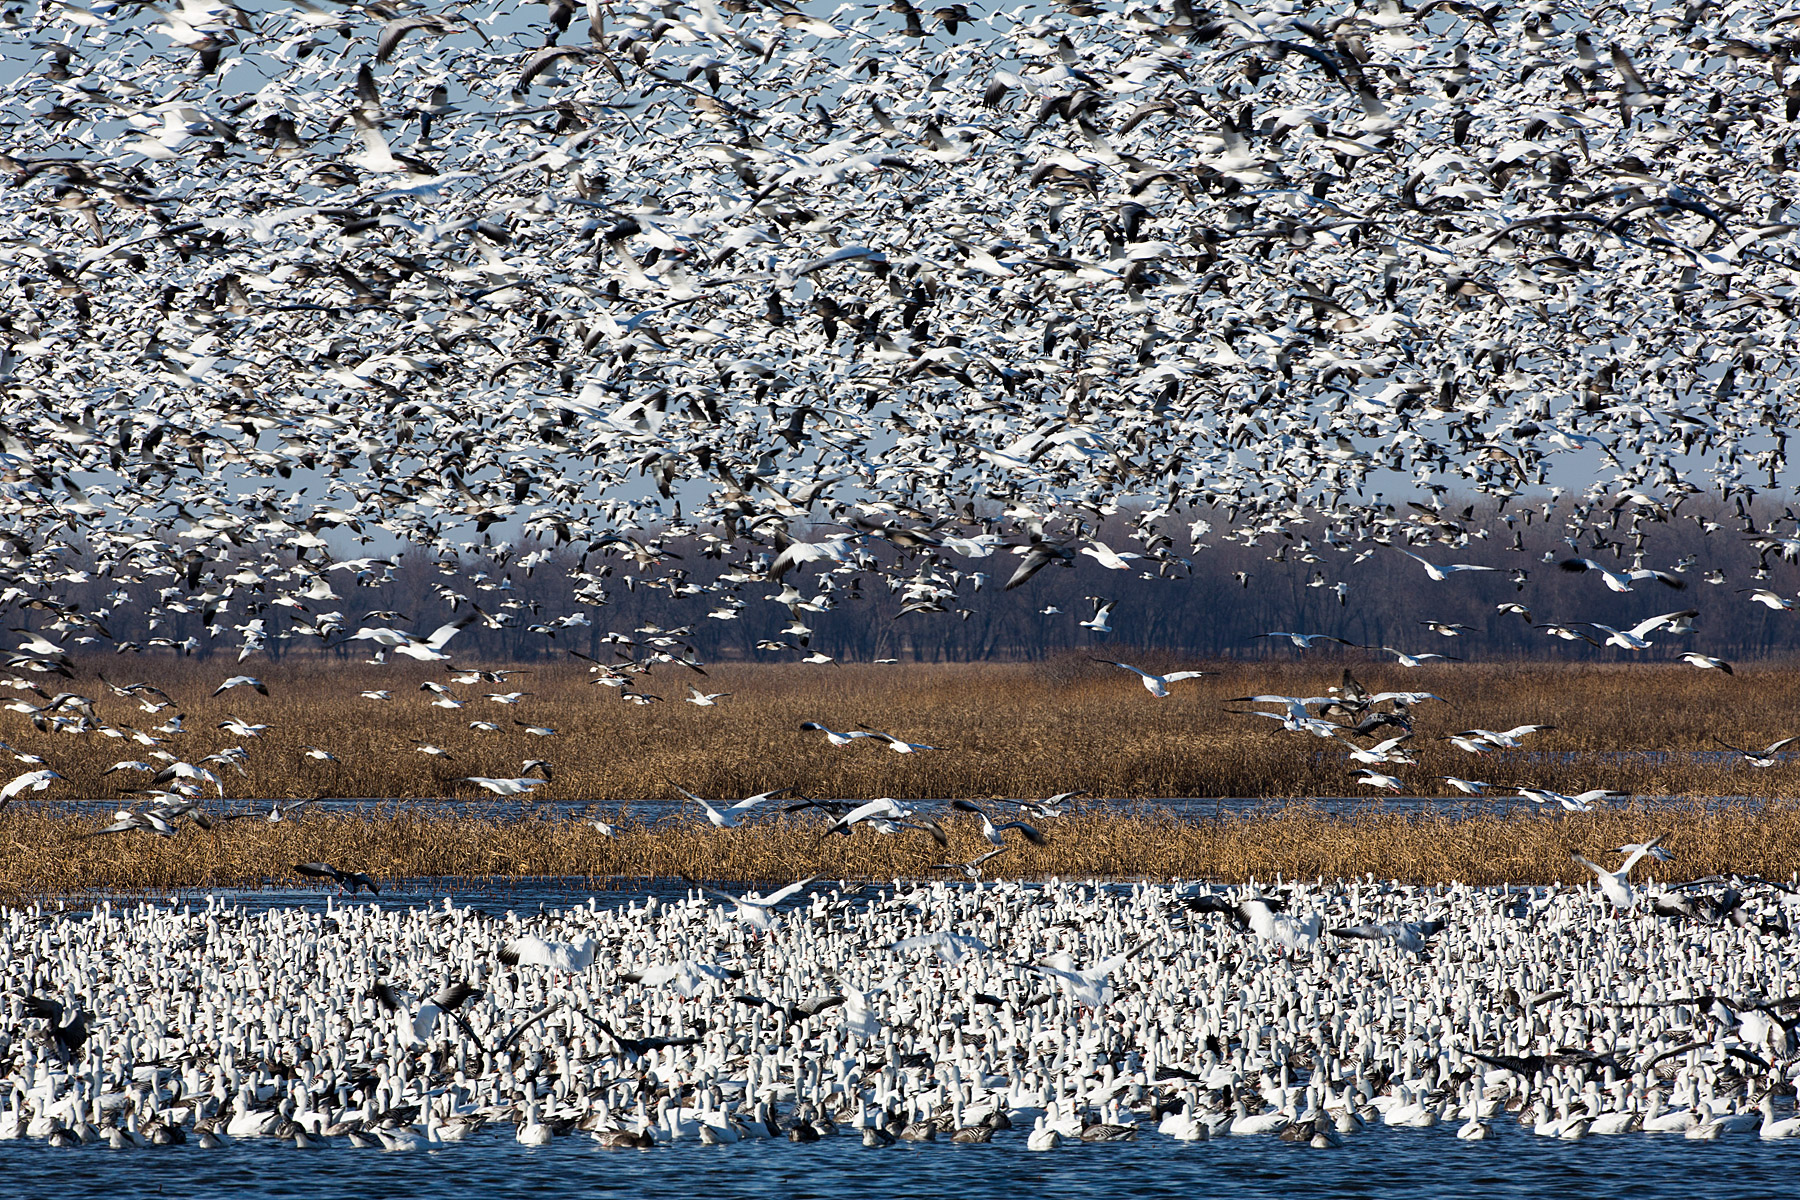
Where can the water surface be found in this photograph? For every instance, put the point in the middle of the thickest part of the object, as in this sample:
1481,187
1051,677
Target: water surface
1374,1163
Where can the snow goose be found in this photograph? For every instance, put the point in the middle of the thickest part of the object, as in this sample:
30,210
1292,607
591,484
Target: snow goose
1411,936
1621,581
972,868
1409,1112
1766,597
248,1121
429,648
1181,1125
992,832
952,948
1090,988
1246,1124
1710,1126
832,735
1657,1120
1404,659
1476,1128
1156,685
1575,1127
1772,1129
729,818
1508,739
529,950
1637,637
1288,932
532,1131
1615,885
1621,1118
717,1129
1304,641
897,745
755,910
1386,751
1765,757
885,815
1342,1111
1439,572
1543,1121
30,781
686,977
1099,622
1297,718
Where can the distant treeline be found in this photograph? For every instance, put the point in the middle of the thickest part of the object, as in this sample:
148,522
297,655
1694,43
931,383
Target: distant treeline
1213,604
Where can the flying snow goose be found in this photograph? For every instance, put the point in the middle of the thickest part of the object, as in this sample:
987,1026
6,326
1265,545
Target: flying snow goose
1156,685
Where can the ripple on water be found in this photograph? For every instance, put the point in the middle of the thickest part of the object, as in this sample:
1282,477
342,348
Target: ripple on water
1377,1163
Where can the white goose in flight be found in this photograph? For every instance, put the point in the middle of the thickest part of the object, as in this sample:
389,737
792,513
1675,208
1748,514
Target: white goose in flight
886,816
1439,572
756,911
1636,638
1766,757
530,950
730,817
1616,885
995,833
1156,685
428,648
1296,719
1621,581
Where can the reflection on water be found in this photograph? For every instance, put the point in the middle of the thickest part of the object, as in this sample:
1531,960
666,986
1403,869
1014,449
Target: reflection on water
1377,1162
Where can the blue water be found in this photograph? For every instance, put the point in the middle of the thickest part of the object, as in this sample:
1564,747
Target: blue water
1374,1163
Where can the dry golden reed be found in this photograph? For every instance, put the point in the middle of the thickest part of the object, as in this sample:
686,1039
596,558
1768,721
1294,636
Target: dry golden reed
1001,730
46,855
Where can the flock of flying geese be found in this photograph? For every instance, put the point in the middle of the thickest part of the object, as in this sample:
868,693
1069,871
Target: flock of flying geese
892,290
932,287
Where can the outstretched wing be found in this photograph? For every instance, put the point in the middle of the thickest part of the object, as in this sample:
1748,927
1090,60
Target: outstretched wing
792,889
1031,833
518,1030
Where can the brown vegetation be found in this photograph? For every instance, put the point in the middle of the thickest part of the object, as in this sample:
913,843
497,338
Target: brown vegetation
1016,729
44,854
1010,730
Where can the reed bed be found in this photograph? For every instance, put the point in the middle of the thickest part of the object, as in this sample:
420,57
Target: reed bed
1000,730
45,854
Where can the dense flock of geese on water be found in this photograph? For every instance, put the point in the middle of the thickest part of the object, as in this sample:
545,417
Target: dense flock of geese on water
895,293
1048,1014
